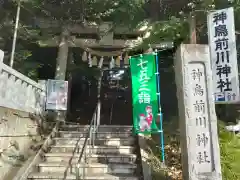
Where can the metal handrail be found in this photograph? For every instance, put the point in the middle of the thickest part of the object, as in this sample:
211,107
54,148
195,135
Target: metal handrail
22,174
90,137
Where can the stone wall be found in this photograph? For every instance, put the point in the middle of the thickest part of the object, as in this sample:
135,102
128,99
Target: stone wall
20,92
18,133
22,103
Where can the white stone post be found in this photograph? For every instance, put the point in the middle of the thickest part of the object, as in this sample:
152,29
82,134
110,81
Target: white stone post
89,60
84,56
100,62
94,61
43,96
117,61
2,84
1,58
126,60
112,63
198,122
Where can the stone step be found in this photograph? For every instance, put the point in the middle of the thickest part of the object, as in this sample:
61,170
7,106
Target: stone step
57,176
92,168
101,128
108,158
93,158
76,134
95,149
130,141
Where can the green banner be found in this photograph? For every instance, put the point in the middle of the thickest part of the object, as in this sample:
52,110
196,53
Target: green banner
144,93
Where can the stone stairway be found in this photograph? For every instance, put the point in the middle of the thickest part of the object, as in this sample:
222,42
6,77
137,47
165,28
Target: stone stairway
113,156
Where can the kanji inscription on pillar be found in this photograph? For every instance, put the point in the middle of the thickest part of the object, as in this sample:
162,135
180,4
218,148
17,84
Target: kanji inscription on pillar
196,106
200,116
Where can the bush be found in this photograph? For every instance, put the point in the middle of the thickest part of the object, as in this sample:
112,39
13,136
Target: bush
229,147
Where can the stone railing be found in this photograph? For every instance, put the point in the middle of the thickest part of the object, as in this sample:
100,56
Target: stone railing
20,92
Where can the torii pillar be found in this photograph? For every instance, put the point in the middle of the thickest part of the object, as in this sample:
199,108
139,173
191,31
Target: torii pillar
62,57
61,66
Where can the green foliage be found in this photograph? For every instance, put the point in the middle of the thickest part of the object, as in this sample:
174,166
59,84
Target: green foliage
236,5
120,12
127,12
176,28
64,10
130,13
229,148
25,36
117,11
25,64
230,153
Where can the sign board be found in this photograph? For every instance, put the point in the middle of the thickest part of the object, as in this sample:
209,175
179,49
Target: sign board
163,45
144,93
57,93
222,44
198,121
116,74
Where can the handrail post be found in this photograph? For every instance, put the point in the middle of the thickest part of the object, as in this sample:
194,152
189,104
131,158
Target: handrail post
90,141
84,164
77,171
94,134
87,147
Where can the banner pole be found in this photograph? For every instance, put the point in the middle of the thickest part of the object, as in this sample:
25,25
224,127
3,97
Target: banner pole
160,112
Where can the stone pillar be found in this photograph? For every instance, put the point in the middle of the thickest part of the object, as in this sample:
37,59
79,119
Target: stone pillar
99,86
198,122
61,64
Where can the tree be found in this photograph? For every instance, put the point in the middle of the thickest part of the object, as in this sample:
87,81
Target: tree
170,24
25,36
79,11
175,26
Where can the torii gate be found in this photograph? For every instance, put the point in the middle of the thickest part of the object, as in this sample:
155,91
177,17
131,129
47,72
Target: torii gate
91,38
